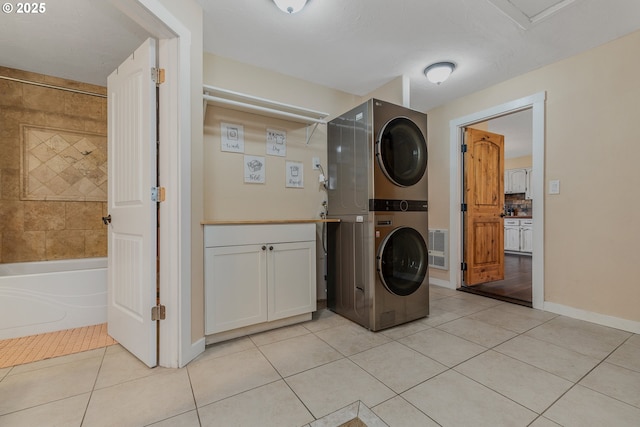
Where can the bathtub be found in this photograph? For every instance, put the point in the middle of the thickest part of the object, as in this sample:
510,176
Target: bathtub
46,296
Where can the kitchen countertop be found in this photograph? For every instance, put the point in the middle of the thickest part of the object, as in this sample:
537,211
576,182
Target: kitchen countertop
518,217
267,221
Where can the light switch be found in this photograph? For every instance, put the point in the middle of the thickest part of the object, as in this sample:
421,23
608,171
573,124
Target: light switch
316,163
554,187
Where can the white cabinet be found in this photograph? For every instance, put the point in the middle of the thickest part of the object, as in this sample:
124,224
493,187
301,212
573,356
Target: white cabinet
518,235
528,191
258,273
518,181
526,235
512,235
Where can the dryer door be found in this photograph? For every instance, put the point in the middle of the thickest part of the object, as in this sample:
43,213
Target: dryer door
401,151
402,261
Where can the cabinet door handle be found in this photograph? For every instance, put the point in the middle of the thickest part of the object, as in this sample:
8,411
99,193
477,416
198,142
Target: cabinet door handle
270,248
264,248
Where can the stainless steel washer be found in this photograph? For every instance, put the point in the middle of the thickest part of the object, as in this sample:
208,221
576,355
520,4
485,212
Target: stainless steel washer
377,260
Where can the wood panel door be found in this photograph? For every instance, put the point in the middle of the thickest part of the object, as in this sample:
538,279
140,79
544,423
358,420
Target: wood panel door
484,200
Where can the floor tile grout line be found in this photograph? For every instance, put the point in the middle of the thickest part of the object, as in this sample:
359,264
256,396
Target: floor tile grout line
93,388
193,395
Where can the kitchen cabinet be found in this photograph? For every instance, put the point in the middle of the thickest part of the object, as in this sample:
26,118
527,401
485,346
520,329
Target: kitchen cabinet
518,235
528,193
258,273
518,181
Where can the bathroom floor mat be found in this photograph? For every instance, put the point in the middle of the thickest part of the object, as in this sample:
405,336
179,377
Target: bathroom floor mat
18,351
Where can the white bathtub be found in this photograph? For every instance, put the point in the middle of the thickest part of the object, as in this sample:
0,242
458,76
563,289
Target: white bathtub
46,296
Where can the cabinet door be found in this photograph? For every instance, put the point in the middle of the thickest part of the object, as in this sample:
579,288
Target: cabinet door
507,181
291,279
235,287
528,193
518,180
511,238
526,239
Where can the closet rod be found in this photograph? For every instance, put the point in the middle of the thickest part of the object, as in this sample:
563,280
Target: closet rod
53,87
281,113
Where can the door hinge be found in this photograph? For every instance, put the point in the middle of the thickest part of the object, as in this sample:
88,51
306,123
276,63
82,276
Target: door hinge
157,75
463,266
158,312
464,148
463,207
157,194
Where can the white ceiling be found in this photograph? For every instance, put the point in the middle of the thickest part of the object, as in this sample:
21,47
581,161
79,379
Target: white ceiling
351,45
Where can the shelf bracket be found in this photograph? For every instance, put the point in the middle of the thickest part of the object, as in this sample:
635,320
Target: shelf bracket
309,135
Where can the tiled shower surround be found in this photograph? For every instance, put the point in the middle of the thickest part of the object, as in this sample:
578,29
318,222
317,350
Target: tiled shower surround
52,169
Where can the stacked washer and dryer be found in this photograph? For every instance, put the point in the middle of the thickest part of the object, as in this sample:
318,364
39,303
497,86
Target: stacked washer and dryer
377,256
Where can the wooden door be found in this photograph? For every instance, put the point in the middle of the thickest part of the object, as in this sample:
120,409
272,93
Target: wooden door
131,274
484,199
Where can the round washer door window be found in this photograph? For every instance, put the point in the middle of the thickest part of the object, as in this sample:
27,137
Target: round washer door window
403,261
402,152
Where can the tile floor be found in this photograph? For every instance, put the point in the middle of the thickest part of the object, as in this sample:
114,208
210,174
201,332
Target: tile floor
473,361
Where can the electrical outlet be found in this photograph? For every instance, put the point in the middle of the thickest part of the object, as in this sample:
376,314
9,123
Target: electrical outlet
315,161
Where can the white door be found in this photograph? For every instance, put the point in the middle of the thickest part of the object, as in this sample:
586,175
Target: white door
132,232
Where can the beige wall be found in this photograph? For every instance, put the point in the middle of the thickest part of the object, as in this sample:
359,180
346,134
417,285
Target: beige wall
518,162
226,196
591,227
33,227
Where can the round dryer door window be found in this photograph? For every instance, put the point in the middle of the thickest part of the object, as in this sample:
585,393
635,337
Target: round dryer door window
402,152
403,261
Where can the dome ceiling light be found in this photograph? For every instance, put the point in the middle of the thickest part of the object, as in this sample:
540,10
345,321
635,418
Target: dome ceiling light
439,72
290,6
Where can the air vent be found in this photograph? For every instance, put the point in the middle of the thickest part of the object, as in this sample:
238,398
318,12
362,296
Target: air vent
439,249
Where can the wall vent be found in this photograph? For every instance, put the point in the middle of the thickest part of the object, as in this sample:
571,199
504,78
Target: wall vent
439,249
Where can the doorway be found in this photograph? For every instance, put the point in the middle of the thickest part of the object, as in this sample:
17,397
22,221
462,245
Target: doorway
536,103
513,211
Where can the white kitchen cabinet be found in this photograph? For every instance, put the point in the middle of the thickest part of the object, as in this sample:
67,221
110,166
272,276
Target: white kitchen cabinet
528,194
526,235
512,235
515,181
518,235
258,273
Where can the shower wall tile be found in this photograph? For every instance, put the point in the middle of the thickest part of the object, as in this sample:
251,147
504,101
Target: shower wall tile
95,242
23,246
12,214
32,230
11,93
64,244
84,215
42,99
44,216
10,184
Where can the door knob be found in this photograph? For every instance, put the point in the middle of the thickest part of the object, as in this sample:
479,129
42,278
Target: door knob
106,219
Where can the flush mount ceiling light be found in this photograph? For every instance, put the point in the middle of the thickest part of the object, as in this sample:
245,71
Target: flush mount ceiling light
290,6
439,72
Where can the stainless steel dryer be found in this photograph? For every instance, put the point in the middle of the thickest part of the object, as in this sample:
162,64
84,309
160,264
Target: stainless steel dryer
377,261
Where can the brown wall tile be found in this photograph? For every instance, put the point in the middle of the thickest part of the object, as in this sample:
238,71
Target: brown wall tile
21,247
11,93
64,244
44,216
43,99
12,214
95,243
9,153
84,215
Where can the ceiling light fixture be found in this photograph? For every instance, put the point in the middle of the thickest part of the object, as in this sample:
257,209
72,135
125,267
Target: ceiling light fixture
439,72
290,6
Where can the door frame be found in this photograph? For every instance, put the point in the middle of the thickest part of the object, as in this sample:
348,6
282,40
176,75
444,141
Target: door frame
536,103
174,55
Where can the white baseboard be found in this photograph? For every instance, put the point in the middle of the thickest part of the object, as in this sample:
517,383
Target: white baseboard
440,282
589,316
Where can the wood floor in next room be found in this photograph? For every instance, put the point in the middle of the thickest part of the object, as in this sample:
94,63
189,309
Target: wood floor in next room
516,286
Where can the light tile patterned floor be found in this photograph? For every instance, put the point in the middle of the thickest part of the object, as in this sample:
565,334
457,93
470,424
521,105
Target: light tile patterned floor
473,361
33,348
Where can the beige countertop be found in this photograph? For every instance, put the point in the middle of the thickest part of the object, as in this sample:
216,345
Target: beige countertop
267,221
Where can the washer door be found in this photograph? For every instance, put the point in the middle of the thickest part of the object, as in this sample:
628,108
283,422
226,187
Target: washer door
402,261
402,152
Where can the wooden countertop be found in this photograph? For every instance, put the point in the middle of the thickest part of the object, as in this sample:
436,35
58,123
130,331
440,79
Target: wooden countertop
518,217
268,221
